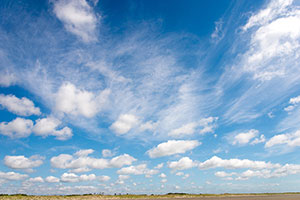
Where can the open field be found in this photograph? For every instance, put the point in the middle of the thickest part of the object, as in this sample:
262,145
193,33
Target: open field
289,196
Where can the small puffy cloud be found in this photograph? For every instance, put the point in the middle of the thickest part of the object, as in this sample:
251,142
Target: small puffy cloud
84,152
179,174
124,124
121,160
71,100
159,166
138,170
148,126
36,180
216,162
290,139
12,176
205,125
104,178
123,177
21,162
183,163
72,178
244,138
81,162
48,126
23,106
223,174
294,101
52,179
172,147
162,175
164,180
18,128
261,139
107,153
78,18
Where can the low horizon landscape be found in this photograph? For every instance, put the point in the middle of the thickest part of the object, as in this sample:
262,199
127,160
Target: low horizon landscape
148,99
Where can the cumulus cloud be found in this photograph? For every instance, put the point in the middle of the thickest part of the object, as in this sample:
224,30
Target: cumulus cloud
82,162
23,106
280,171
183,163
72,178
289,139
172,147
205,125
36,180
162,175
12,176
124,124
18,128
48,127
250,136
103,178
294,102
138,170
216,162
74,101
78,18
21,162
52,179
159,166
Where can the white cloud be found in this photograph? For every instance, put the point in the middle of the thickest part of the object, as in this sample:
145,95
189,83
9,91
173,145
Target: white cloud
23,106
164,180
36,180
107,153
290,139
216,162
172,147
47,126
261,139
148,126
74,101
72,178
269,64
162,175
78,18
7,79
280,171
82,162
159,166
52,179
124,124
138,170
84,152
205,125
12,176
103,178
273,9
21,162
223,174
18,128
295,100
183,163
244,138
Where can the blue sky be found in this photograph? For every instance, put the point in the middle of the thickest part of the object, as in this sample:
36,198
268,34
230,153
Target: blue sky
149,97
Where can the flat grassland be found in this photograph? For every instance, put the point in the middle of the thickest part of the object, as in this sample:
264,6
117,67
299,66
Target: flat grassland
266,196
